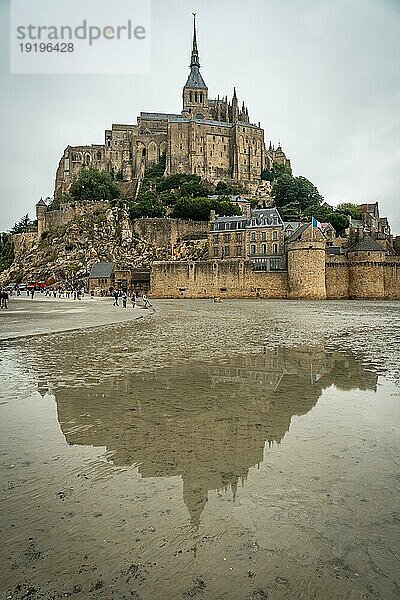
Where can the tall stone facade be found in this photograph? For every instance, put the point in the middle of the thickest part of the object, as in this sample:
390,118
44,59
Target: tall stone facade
213,138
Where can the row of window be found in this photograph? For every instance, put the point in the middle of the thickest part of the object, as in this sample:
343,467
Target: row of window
196,97
238,236
227,237
229,225
225,251
264,249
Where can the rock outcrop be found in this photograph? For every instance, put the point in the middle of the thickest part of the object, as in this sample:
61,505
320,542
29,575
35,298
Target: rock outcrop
67,253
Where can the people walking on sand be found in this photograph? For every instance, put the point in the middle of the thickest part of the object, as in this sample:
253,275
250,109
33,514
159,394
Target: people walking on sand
124,299
146,303
115,294
133,299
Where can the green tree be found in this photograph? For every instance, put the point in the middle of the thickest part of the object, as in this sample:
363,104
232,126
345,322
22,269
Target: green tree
347,208
23,226
6,251
147,206
224,188
198,209
94,185
277,170
288,189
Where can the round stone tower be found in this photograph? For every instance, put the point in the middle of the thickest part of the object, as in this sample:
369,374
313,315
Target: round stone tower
366,269
306,269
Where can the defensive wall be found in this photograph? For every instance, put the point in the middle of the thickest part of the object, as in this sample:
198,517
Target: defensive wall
167,232
356,277
49,219
158,232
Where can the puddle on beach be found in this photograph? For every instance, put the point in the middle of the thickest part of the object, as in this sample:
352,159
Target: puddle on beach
249,452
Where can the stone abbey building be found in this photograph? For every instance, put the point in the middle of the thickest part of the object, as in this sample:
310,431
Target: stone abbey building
212,138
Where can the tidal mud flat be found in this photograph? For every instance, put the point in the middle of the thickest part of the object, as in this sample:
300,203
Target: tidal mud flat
242,450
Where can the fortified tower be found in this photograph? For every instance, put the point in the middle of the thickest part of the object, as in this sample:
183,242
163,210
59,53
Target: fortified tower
366,269
41,211
306,264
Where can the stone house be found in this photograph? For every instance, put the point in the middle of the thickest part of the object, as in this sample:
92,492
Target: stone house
102,277
259,237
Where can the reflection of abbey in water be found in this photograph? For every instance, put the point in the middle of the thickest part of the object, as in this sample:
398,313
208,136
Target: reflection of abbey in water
208,424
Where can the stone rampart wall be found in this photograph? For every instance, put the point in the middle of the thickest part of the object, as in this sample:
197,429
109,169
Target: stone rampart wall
392,278
235,279
165,232
216,278
337,277
68,212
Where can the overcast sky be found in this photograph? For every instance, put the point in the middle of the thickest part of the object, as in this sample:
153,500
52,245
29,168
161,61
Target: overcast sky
322,76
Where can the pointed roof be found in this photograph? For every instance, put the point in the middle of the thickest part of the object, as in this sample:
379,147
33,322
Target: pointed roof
195,79
41,202
367,244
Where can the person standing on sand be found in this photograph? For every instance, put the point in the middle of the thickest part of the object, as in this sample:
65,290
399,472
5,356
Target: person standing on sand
4,298
115,294
124,299
32,293
133,299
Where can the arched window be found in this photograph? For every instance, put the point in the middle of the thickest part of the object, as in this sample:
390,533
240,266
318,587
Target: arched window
274,248
191,96
201,97
195,97
264,249
152,152
253,249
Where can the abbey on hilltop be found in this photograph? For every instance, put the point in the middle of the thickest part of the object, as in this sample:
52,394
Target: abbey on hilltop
212,138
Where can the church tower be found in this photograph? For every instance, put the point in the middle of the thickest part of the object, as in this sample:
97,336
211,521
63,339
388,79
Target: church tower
195,92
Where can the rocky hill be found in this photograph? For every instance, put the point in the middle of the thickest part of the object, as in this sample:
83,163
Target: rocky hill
66,253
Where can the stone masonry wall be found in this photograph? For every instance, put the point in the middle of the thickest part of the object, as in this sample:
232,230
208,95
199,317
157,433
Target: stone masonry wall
165,232
392,278
337,277
221,278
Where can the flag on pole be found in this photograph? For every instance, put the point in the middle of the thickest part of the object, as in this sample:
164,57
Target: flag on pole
316,223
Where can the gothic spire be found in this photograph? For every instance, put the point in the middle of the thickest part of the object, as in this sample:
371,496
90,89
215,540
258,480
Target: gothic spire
194,61
195,79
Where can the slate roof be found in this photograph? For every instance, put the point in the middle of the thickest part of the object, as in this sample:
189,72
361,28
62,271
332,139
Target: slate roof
157,116
41,202
295,235
101,270
366,244
195,79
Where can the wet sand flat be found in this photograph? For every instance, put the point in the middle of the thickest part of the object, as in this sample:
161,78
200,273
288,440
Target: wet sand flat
25,317
247,450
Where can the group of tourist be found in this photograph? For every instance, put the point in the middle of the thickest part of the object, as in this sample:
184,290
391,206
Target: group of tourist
122,294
